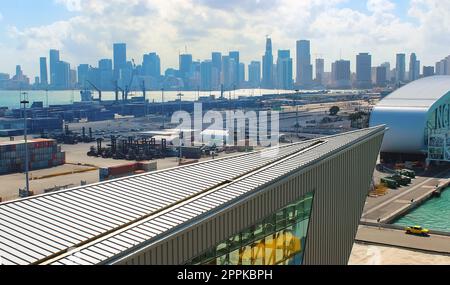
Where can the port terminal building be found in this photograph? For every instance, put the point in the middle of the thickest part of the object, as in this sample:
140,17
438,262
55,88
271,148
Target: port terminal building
418,120
297,204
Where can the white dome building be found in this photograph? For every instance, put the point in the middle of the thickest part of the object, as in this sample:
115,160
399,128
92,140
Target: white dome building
418,119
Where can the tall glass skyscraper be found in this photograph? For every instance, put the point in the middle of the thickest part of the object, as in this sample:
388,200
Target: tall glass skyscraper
254,74
54,59
284,70
120,58
235,56
43,71
414,67
320,70
304,67
267,77
364,70
400,68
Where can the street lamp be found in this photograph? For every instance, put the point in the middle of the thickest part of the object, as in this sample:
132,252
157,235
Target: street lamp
24,101
295,102
181,133
162,107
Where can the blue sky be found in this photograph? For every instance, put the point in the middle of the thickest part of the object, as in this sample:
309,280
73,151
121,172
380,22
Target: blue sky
25,13
29,28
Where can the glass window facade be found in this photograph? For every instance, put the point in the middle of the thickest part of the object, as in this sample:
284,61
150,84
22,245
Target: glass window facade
280,239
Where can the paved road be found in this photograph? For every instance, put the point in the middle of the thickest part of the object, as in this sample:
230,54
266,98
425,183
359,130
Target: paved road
397,200
397,238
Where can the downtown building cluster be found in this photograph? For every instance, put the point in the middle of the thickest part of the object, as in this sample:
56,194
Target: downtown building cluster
224,72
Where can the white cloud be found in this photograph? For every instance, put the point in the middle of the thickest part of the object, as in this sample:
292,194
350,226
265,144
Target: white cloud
167,26
1,16
380,6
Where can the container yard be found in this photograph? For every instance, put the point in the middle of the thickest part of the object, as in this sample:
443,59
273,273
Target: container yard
113,172
43,153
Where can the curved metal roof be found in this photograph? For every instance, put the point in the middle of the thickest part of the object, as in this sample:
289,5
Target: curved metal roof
96,223
422,93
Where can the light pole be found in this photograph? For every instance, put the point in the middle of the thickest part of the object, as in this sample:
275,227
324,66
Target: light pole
162,107
25,101
181,133
296,105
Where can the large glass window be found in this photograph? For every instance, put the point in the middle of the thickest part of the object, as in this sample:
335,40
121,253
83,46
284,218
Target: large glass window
278,239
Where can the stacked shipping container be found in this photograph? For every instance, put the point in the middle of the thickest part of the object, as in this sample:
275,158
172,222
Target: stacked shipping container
42,153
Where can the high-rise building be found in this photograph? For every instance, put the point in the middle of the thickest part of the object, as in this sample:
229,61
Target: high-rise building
120,58
254,74
236,76
185,67
389,75
443,66
320,70
226,75
83,73
364,70
241,74
381,76
284,70
400,68
216,58
428,71
267,75
206,75
414,67
151,65
62,75
105,67
54,59
72,78
304,67
43,72
341,75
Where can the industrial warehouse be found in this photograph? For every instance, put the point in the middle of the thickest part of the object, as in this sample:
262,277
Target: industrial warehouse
417,116
300,205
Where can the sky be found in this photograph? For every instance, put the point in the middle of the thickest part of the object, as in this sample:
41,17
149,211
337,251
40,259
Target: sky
84,30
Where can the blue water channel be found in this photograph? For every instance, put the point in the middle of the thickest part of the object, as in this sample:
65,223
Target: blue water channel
434,214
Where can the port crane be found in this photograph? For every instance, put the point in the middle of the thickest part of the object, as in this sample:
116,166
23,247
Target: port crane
96,89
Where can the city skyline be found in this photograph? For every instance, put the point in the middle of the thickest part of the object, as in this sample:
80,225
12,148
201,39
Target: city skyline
381,27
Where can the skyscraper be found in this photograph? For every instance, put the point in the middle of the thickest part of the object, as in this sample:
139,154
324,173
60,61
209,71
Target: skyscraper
83,73
400,68
54,59
428,71
216,58
284,70
62,75
105,67
389,75
341,74
443,66
414,67
267,76
364,70
304,67
43,72
236,77
320,70
206,75
120,58
381,76
185,66
226,75
241,74
151,65
254,74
